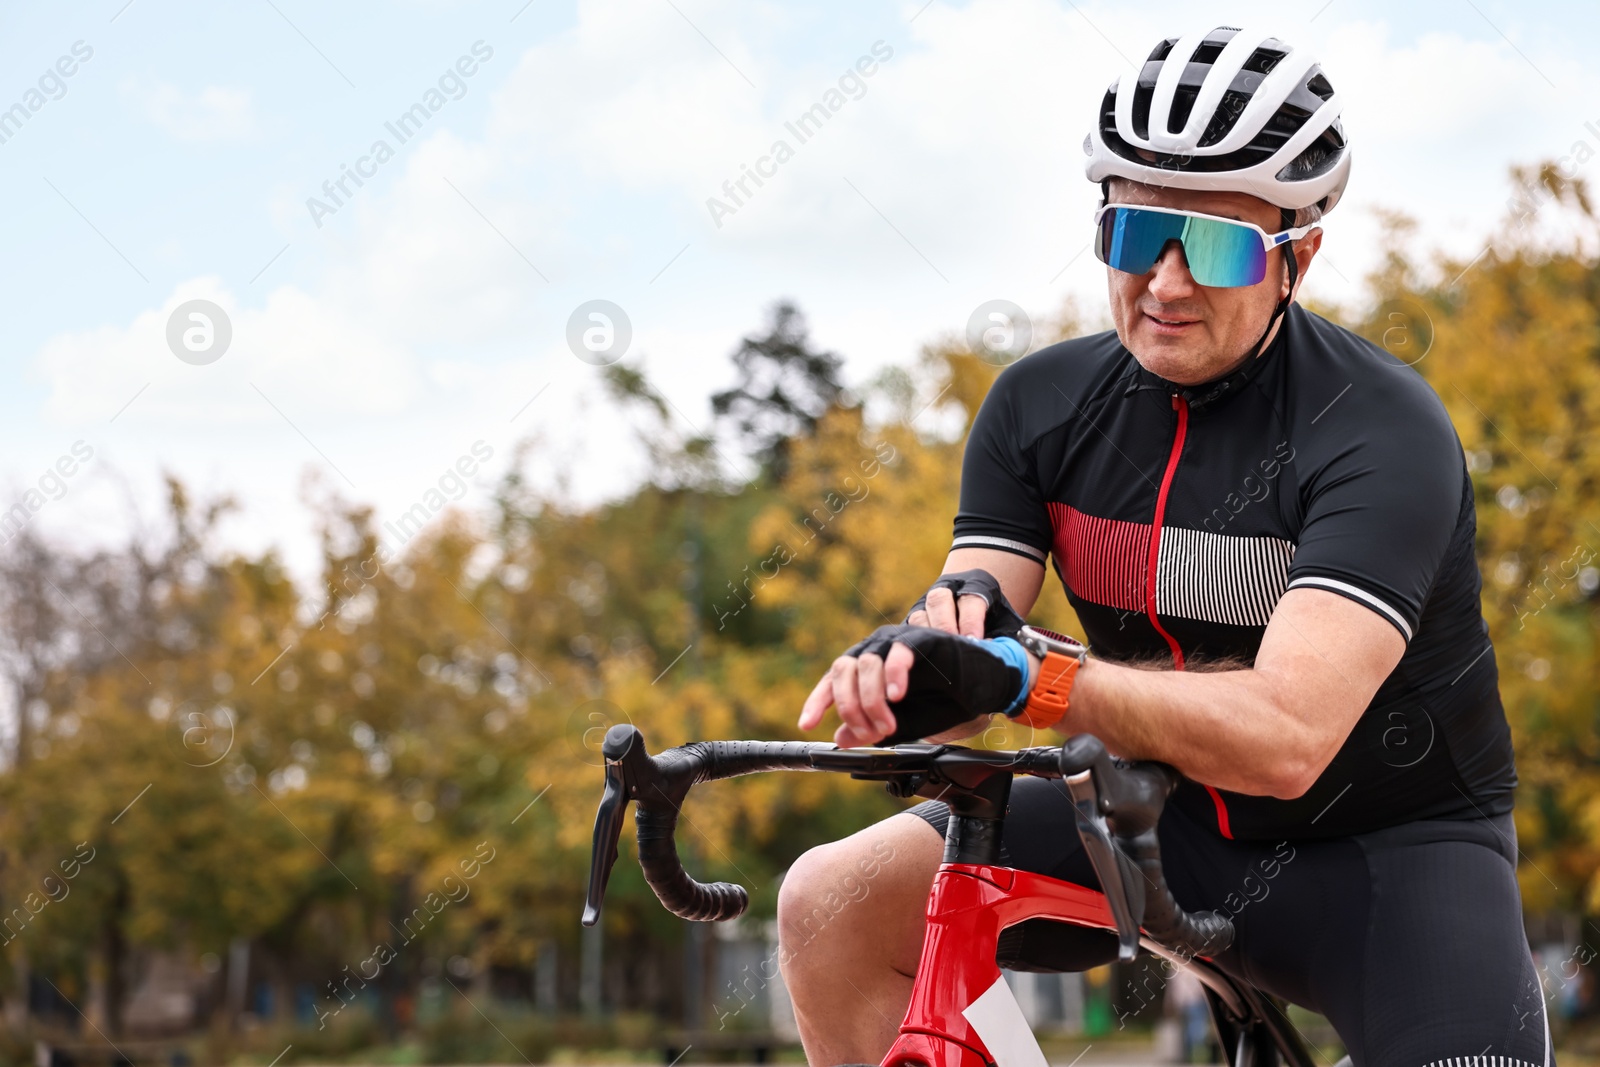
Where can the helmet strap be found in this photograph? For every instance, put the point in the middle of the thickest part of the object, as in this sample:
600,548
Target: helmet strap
1283,304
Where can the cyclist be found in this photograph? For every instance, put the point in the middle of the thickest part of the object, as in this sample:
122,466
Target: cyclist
1277,511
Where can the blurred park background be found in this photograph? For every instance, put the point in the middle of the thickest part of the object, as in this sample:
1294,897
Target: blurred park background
253,819
306,646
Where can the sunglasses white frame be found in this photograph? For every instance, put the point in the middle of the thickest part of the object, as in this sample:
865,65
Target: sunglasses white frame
1269,241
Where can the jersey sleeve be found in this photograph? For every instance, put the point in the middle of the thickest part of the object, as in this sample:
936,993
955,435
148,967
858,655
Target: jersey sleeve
1380,514
1002,504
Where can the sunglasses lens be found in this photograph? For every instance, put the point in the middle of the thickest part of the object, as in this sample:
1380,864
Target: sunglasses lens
1131,240
1221,254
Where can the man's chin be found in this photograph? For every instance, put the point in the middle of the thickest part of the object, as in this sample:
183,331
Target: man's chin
1184,360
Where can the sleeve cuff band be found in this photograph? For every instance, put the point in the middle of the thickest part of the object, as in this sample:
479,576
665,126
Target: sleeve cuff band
1360,595
1002,543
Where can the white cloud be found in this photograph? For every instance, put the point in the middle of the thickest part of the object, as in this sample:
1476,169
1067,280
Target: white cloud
216,113
424,266
295,346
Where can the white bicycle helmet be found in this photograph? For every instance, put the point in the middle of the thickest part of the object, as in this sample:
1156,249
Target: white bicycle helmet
1229,110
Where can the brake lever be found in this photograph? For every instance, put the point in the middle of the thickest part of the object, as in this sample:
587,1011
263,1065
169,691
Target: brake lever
626,760
1086,768
607,834
1124,893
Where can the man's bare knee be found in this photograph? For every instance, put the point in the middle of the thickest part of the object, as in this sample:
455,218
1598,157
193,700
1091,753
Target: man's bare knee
876,881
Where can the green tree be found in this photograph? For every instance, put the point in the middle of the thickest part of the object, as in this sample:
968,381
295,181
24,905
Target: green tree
1511,342
784,387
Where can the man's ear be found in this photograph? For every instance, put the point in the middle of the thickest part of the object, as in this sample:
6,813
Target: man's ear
1304,251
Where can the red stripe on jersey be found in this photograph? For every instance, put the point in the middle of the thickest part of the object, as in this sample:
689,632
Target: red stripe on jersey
1103,560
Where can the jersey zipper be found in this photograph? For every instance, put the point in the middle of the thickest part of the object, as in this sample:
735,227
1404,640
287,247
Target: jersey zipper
1181,406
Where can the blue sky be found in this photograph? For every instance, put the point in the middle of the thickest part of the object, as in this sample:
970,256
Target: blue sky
574,163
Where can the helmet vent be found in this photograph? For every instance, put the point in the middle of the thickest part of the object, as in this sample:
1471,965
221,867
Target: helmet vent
1282,126
1263,59
1228,112
1182,105
1141,109
1319,157
1162,50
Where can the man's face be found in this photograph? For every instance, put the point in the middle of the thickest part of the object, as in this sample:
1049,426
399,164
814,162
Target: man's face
1189,333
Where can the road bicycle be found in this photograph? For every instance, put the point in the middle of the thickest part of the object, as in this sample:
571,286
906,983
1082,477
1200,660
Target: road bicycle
962,1013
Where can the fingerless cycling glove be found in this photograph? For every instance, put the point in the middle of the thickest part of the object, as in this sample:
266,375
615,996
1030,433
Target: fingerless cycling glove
953,679
1000,620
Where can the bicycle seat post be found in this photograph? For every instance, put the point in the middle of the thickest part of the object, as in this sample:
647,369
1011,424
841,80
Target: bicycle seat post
977,816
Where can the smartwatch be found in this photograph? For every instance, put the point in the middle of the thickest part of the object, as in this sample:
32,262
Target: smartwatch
1060,657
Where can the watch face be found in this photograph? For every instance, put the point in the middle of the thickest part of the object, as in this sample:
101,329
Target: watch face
1056,642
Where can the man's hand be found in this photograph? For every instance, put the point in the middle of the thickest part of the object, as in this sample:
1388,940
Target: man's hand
951,683
945,611
862,687
959,603
968,602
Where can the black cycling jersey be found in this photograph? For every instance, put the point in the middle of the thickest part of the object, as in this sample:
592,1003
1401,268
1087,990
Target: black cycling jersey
1177,516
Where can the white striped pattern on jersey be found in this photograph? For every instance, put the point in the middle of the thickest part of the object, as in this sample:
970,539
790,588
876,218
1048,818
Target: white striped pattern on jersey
1218,578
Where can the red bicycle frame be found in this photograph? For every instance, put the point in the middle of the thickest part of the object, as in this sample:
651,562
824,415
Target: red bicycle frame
968,1017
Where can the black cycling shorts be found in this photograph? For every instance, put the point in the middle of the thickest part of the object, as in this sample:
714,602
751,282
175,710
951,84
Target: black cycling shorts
1409,939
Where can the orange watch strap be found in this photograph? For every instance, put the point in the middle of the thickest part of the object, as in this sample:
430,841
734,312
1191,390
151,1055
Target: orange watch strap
1047,702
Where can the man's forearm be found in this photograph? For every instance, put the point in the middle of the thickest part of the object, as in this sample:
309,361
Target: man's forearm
1227,729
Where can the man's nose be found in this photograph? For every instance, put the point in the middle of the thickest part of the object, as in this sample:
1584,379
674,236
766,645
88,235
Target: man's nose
1170,278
